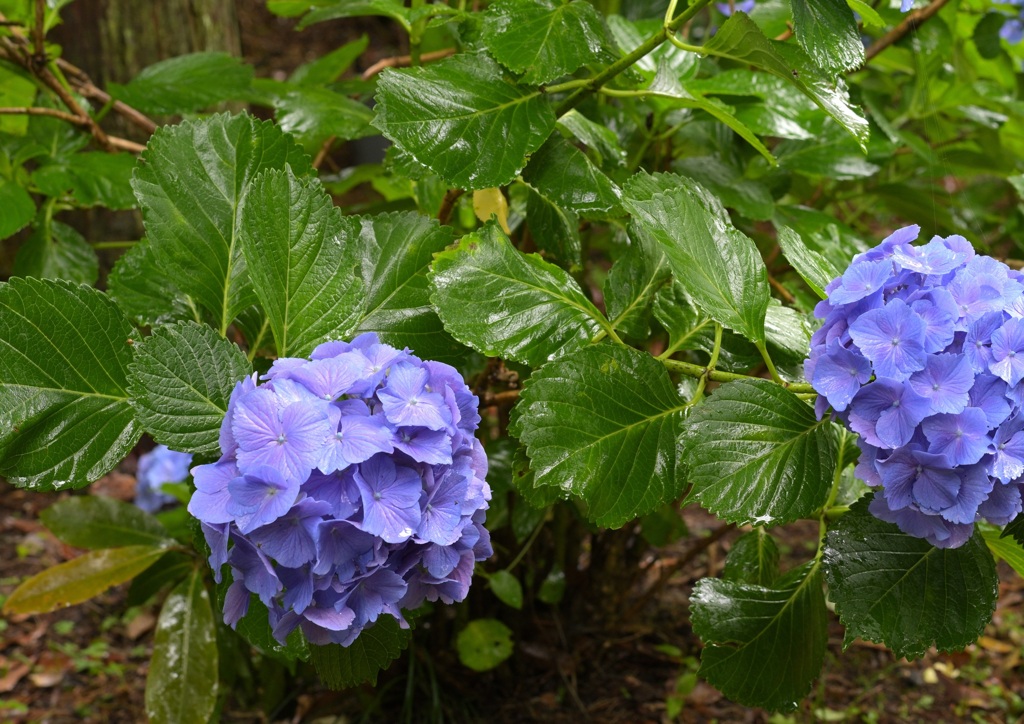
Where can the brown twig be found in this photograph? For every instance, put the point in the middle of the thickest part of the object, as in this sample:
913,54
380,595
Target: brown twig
38,32
404,61
321,155
501,398
448,204
911,22
783,292
33,111
84,85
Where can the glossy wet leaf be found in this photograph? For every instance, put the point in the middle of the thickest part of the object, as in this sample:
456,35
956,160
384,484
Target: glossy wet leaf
561,172
633,284
144,290
94,521
180,382
753,558
302,259
81,578
718,265
751,198
763,646
312,115
341,667
484,644
755,453
462,118
57,251
1006,549
507,588
828,33
190,183
182,682
395,251
602,424
65,417
542,39
741,40
895,589
329,66
16,208
186,83
598,138
504,303
336,9
815,269
555,230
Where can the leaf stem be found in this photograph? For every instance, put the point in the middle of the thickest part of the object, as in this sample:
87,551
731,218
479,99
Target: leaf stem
763,349
526,547
691,370
684,46
113,244
568,85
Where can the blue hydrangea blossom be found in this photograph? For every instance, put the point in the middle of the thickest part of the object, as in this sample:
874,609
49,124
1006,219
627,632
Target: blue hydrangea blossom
921,352
156,467
350,486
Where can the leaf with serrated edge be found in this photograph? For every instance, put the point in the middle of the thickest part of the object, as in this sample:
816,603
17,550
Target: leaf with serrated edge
93,521
718,264
632,284
602,423
815,269
81,578
190,183
180,383
504,303
827,31
301,255
182,682
341,667
462,119
561,172
755,453
901,591
763,646
543,39
753,558
1008,550
186,83
65,417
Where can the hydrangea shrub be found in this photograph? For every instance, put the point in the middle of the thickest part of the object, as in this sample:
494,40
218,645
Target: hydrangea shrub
157,467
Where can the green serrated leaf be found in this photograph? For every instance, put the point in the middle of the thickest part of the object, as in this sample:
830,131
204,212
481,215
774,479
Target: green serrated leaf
65,417
868,14
190,183
327,68
1015,528
320,11
899,590
341,667
81,578
718,264
484,644
755,453
143,289
182,682
57,251
101,179
186,83
504,303
750,198
313,115
740,39
763,646
827,31
1008,550
94,521
16,91
815,269
555,230
302,258
507,588
180,383
633,284
537,497
395,251
753,559
602,423
561,172
543,40
598,138
463,119
16,208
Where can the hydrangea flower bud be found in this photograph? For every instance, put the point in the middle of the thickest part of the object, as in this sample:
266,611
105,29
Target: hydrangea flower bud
160,465
921,353
350,485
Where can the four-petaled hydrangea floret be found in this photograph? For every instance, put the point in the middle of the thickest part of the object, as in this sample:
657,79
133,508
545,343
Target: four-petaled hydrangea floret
922,354
350,486
159,466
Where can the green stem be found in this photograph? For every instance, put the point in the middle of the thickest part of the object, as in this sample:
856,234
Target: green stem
684,46
568,85
113,244
526,547
699,394
768,362
630,58
692,370
416,33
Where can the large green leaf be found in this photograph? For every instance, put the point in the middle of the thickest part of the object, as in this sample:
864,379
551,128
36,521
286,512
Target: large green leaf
561,172
191,181
741,40
632,285
182,681
327,68
1006,549
827,31
463,119
312,115
16,91
81,578
504,303
764,646
484,643
395,251
93,521
16,208
57,251
145,291
756,454
753,558
719,266
186,83
602,423
180,383
815,269
301,254
94,179
341,667
65,418
542,39
320,11
895,589
555,230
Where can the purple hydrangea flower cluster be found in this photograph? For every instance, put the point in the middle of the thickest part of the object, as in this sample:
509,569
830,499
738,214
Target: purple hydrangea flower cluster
350,485
160,465
922,354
